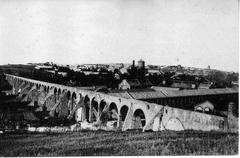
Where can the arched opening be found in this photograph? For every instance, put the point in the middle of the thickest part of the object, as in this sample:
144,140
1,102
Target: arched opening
35,85
207,110
55,91
58,94
69,101
123,113
102,105
87,107
59,91
74,97
48,89
94,104
174,124
68,95
199,109
139,120
55,94
45,88
113,112
40,86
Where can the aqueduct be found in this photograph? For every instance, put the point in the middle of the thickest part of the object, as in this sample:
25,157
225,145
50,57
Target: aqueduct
84,105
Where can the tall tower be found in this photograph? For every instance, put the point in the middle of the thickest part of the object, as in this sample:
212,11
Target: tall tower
141,64
141,71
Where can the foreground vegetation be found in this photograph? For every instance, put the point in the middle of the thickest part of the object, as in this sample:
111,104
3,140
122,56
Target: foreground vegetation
118,143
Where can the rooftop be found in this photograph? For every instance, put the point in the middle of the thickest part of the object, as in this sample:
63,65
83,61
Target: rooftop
151,94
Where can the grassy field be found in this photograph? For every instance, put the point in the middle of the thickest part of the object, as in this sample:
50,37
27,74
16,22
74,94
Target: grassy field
118,143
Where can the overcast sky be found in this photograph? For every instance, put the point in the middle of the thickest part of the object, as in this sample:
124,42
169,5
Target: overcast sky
165,32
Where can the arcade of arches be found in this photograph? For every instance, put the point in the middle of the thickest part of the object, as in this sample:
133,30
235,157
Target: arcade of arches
100,109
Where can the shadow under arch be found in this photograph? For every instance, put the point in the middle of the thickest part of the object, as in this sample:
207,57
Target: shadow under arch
102,105
55,91
123,112
113,111
139,119
94,105
69,95
45,88
87,107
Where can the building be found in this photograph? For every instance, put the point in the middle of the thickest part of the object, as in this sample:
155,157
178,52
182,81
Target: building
129,84
64,74
124,70
205,106
235,84
185,99
205,85
44,67
183,84
153,71
141,71
157,88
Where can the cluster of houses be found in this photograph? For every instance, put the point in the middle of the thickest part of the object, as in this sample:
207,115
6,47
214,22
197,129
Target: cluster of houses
140,74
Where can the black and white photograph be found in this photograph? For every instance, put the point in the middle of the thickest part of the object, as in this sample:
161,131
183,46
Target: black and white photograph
119,78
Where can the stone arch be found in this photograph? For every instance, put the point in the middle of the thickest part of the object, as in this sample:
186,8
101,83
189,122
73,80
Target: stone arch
139,119
113,111
79,95
55,90
74,96
123,112
87,107
113,106
59,91
45,88
42,87
48,88
102,105
94,105
174,124
69,95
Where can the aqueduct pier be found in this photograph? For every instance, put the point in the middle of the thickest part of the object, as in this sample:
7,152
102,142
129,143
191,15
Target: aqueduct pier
94,107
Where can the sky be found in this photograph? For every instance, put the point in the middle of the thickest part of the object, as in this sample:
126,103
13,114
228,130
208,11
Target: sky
193,33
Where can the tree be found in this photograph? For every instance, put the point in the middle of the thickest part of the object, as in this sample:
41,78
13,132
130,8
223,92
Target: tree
219,78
